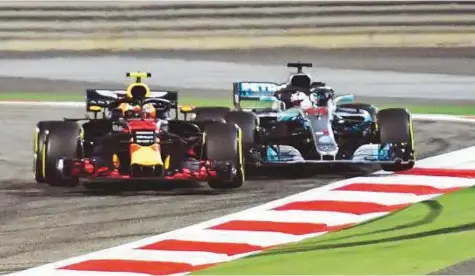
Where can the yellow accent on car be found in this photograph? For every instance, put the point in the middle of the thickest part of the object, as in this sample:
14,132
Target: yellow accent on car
145,155
139,75
241,159
133,85
411,129
94,108
167,162
35,140
35,150
186,108
115,161
43,160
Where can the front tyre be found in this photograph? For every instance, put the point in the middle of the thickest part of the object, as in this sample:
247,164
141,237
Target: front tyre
396,129
42,128
210,113
61,142
223,145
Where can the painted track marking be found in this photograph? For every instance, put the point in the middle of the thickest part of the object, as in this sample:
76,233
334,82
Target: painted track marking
312,213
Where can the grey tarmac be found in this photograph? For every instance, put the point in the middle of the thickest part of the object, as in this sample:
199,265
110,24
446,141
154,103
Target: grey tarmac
40,224
434,60
395,74
220,75
462,268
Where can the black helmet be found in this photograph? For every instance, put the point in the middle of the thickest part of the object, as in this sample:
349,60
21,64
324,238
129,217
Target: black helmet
323,95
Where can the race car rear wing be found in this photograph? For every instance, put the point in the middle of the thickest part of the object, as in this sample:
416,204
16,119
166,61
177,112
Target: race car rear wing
101,99
253,91
299,65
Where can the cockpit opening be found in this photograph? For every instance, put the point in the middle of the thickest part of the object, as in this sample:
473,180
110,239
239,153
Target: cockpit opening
301,81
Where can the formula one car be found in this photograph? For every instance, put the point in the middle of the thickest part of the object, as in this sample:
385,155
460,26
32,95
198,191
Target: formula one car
331,129
131,134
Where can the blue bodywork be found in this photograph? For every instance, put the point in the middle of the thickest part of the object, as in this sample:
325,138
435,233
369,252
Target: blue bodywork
257,90
290,114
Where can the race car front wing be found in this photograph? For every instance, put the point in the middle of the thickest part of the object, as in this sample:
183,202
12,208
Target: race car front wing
366,154
194,170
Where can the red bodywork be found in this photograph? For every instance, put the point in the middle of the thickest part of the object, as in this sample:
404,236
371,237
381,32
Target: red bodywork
319,111
138,125
86,167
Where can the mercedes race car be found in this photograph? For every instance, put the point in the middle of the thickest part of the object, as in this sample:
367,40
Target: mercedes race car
329,129
136,134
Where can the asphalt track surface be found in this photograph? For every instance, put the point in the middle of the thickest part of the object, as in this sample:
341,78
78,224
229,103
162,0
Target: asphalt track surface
220,75
40,224
370,74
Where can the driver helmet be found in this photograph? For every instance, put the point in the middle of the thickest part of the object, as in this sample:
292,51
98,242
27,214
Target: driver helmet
297,98
322,95
129,111
149,111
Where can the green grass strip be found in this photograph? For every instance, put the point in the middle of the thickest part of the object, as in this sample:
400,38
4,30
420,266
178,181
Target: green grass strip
421,239
451,109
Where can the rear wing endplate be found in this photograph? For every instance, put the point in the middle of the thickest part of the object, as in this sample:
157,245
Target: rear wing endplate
253,91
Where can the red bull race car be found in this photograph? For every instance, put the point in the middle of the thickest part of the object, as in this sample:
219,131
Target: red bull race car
136,134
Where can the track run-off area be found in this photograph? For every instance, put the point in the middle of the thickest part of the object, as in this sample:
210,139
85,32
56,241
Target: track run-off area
41,224
55,223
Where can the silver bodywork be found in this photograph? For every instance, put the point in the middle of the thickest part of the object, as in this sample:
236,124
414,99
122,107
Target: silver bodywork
322,132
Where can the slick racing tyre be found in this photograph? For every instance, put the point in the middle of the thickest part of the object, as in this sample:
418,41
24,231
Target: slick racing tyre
247,122
62,141
395,126
42,128
210,114
223,144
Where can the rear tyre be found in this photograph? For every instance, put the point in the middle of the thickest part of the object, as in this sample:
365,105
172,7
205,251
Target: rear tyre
38,142
247,122
395,126
62,141
223,144
210,114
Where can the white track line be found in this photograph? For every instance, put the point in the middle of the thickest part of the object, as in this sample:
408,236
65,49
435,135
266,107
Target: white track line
193,258
368,197
265,213
411,180
263,239
325,217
